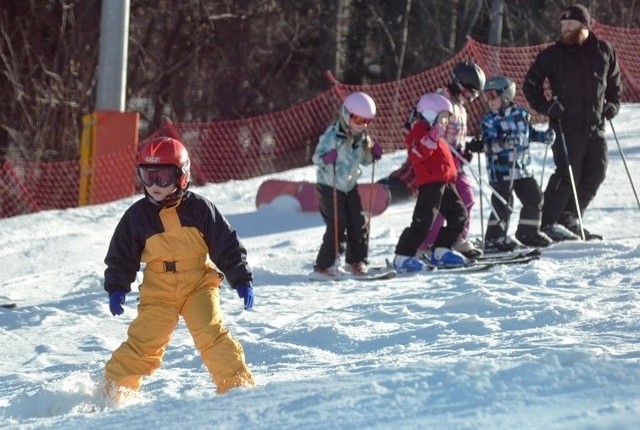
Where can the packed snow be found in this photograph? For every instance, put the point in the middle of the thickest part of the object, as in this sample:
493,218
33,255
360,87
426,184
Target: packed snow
552,344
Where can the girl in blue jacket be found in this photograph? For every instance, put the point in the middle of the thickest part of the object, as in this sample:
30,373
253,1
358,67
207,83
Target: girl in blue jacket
343,147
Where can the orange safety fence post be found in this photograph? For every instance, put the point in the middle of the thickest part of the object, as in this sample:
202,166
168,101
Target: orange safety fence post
113,156
87,141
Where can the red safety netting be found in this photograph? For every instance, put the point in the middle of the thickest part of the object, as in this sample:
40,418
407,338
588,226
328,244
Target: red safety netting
240,149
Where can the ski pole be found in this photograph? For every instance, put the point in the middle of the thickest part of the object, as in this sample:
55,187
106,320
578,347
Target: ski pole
478,181
370,209
509,206
481,209
573,182
625,163
544,162
336,246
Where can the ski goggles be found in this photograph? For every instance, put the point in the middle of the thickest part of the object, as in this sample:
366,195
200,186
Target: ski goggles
468,94
492,94
358,120
162,176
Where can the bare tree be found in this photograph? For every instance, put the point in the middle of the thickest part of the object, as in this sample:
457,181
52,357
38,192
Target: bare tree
206,60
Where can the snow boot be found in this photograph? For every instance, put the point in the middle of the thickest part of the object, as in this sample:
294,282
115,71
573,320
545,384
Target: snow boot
575,229
326,273
404,263
466,248
502,244
533,238
357,269
447,257
558,232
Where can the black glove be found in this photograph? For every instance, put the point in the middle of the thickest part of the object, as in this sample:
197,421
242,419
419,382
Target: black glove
609,111
475,145
467,155
555,110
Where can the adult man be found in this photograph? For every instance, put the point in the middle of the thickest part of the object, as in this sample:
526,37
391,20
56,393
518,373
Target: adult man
584,77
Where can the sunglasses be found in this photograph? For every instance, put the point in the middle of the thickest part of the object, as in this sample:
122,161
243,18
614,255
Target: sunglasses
358,120
162,176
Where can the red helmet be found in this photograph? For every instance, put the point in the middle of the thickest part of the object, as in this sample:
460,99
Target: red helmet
165,151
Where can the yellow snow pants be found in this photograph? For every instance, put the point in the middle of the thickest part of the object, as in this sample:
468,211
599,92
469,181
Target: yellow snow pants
164,297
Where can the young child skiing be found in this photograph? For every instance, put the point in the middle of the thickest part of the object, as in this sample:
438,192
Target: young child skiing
173,231
340,151
506,132
436,174
467,82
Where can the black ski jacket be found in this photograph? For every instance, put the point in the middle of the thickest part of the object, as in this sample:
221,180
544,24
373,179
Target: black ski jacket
187,231
582,77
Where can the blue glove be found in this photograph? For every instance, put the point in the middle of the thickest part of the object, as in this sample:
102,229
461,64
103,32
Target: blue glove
330,157
377,151
549,136
116,300
245,292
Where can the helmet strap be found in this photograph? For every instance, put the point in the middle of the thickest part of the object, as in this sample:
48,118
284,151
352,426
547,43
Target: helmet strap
171,201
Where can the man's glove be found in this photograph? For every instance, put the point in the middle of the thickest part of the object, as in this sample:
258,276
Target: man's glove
555,110
116,300
245,291
609,111
377,151
475,145
330,157
549,137
467,155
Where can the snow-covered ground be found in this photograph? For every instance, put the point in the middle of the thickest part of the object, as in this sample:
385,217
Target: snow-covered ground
551,344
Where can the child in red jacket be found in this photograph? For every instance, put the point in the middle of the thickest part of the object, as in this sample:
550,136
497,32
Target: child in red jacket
436,174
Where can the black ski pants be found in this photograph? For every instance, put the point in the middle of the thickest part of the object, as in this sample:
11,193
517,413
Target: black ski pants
433,198
353,235
589,159
529,194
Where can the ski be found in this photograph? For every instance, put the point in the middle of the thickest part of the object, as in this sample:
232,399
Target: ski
510,256
470,267
8,305
513,260
374,274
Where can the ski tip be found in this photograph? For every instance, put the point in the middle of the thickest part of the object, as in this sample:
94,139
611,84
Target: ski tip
8,305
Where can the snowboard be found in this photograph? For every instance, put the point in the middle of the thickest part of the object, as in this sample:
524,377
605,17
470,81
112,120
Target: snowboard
375,195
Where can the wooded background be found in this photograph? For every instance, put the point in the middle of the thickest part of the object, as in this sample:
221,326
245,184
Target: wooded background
209,60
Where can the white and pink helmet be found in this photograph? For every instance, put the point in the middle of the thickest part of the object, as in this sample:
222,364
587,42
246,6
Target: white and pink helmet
430,105
360,105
